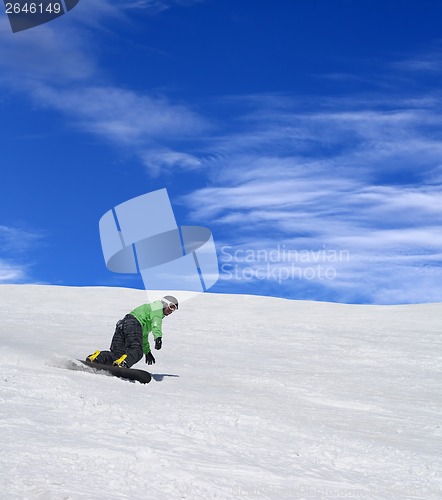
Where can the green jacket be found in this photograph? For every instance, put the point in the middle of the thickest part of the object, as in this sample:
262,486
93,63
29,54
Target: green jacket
150,317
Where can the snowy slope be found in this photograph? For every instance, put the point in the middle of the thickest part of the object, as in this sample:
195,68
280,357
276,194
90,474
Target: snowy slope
253,397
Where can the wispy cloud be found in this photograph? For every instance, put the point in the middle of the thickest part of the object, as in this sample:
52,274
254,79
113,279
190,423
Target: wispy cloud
360,174
59,69
17,240
121,115
341,178
44,56
12,273
423,62
15,245
166,161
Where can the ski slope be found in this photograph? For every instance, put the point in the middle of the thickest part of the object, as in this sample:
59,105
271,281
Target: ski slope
253,397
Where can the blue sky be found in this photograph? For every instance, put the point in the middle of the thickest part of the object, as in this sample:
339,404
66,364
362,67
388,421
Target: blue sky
305,134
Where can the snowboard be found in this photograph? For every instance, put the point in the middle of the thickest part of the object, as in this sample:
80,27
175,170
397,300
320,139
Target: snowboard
126,373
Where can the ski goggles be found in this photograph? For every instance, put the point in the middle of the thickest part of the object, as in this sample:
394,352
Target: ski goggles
169,304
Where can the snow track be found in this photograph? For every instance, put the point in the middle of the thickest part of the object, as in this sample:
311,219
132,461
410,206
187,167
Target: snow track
252,397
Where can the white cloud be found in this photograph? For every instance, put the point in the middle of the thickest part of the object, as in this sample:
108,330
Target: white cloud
43,55
13,239
429,62
344,179
294,267
166,162
361,174
120,115
94,13
15,245
12,273
58,68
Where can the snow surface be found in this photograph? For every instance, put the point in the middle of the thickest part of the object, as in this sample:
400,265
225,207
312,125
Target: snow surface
253,397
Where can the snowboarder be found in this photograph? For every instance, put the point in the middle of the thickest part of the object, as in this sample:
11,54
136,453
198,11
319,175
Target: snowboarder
130,339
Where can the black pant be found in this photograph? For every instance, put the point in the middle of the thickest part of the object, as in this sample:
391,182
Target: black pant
127,339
